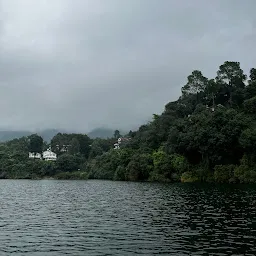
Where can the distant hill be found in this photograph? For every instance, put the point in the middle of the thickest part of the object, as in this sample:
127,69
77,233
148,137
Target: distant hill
48,134
10,135
103,133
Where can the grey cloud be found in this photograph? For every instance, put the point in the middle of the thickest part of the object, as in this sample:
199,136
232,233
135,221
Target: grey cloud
87,63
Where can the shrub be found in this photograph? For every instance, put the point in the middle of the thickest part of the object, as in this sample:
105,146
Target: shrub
72,176
155,176
245,174
179,163
224,173
189,177
120,173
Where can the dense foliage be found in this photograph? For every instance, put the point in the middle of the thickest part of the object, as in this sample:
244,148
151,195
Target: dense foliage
14,161
208,134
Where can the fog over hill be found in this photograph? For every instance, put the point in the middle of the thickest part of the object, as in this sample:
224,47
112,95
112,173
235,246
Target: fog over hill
47,134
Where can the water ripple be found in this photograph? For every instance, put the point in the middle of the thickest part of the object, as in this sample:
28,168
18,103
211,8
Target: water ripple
120,218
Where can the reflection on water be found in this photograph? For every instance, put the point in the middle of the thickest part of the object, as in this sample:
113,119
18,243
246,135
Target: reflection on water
121,218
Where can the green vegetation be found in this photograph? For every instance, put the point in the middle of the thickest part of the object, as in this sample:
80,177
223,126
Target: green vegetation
207,135
15,164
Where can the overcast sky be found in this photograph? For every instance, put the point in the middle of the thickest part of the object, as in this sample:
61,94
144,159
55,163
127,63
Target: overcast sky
82,64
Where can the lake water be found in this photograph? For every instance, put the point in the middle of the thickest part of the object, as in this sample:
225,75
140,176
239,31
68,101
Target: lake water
119,218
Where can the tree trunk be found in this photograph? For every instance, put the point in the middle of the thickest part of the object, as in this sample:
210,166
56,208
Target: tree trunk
213,101
230,94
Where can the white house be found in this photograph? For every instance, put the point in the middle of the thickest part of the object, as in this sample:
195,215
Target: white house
48,155
34,155
121,141
116,146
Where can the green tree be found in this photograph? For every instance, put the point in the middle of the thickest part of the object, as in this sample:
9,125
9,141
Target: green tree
131,134
68,163
250,90
35,143
211,91
250,105
232,77
252,75
248,142
99,146
117,134
84,143
196,84
224,173
140,167
208,138
162,166
74,146
59,143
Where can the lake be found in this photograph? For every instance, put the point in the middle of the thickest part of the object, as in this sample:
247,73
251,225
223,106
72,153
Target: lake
93,217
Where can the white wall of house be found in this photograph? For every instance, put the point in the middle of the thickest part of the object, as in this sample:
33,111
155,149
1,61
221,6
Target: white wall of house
48,155
34,155
121,141
116,146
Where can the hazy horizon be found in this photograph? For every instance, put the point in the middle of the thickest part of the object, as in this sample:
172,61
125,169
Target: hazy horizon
84,64
66,131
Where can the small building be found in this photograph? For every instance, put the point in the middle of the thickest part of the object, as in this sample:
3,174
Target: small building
63,148
48,155
33,155
121,142
116,146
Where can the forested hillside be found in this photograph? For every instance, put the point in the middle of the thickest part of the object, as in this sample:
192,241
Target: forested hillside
208,134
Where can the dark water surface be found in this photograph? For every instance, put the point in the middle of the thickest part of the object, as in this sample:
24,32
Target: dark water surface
119,218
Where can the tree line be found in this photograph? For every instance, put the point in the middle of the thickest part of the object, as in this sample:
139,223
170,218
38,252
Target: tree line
208,134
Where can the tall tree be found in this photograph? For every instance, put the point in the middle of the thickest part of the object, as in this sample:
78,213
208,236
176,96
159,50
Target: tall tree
211,91
67,163
131,134
35,143
196,83
252,75
117,134
74,146
232,77
250,89
84,143
60,142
